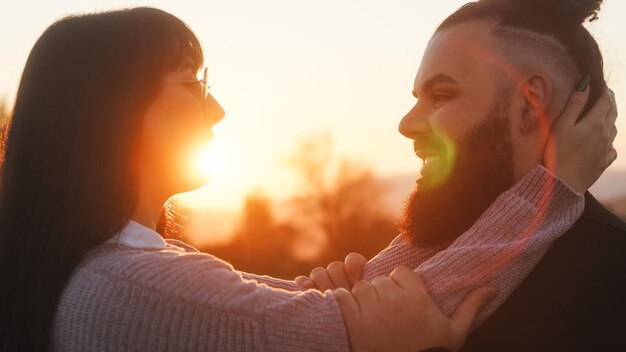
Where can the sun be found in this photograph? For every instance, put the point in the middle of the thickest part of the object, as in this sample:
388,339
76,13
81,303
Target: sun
207,160
209,167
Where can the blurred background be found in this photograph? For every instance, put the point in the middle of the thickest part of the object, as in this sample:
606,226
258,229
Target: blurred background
308,164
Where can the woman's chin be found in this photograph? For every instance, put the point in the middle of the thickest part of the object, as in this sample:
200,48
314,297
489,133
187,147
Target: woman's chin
194,184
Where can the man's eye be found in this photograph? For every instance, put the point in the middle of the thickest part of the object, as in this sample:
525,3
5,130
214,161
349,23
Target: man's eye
438,97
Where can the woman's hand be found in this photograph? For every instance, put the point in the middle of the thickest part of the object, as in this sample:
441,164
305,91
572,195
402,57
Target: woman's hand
337,275
579,152
396,313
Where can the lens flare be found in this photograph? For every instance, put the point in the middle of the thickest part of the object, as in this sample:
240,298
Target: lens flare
445,165
206,161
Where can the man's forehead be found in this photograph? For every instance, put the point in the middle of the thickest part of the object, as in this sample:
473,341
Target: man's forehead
457,52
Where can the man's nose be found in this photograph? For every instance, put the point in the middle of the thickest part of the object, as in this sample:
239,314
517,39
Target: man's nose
414,123
213,111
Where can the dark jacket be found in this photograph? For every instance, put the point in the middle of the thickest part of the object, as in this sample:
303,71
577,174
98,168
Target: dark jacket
574,300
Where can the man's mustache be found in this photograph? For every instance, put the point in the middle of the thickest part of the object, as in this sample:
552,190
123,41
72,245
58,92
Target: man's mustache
430,143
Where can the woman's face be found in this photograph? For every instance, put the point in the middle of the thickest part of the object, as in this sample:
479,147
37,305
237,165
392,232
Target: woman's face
174,128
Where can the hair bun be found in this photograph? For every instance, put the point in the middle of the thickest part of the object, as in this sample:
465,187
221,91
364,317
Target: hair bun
573,12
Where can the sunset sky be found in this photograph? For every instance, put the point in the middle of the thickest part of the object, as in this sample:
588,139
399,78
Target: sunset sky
285,69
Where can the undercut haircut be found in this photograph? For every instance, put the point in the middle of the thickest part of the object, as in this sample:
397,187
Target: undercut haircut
551,27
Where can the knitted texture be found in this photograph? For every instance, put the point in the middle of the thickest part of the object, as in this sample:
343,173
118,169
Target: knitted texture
499,250
177,299
129,299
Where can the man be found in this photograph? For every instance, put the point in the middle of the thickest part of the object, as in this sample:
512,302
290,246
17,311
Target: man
492,81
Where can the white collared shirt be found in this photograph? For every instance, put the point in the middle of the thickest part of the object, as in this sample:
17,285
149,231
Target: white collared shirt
137,235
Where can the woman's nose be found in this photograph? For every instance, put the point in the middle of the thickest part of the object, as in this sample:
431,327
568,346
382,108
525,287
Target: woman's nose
414,123
213,111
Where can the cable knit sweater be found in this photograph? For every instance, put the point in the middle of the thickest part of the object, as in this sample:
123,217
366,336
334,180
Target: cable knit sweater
122,298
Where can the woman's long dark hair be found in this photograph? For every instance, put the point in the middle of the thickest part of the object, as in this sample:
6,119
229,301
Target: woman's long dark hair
69,176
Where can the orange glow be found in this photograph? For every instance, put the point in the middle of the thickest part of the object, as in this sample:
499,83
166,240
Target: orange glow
206,161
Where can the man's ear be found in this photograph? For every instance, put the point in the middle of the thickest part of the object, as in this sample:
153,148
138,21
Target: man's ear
537,89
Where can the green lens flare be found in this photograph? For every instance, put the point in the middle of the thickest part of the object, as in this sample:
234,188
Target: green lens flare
443,169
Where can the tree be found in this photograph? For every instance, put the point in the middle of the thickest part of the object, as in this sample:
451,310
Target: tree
4,119
342,199
260,244
4,111
339,201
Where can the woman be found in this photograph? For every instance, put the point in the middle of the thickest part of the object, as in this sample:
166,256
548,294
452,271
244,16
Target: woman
107,111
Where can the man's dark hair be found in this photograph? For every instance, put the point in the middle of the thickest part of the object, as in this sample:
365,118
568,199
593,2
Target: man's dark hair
560,20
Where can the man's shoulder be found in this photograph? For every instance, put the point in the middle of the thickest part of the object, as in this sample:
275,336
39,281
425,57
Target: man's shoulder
576,289
596,215
592,249
600,230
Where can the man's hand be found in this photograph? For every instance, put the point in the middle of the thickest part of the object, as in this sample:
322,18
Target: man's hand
579,152
396,313
337,275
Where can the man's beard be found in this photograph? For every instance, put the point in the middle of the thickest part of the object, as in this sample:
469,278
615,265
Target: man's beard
482,170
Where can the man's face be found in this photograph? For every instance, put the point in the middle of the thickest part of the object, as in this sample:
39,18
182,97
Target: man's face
461,130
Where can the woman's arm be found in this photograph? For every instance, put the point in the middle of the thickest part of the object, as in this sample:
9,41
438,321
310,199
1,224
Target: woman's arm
273,282
228,312
512,210
577,165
